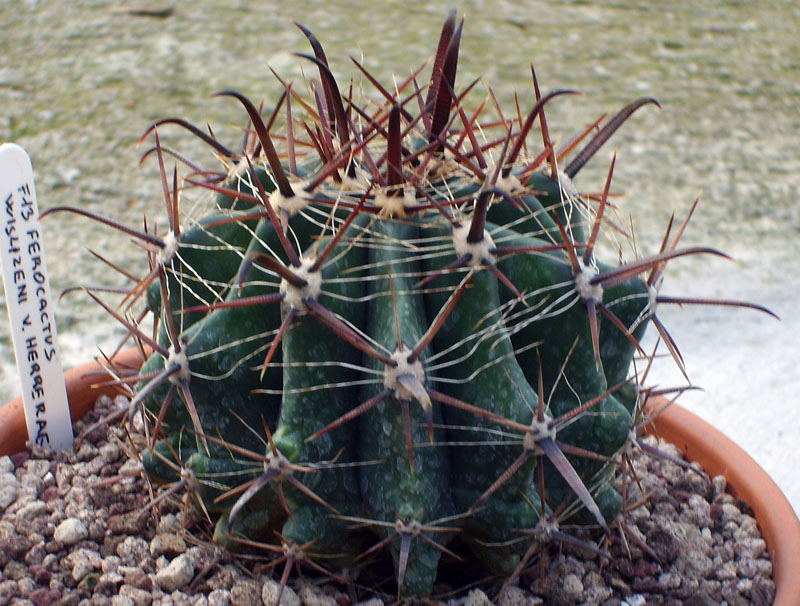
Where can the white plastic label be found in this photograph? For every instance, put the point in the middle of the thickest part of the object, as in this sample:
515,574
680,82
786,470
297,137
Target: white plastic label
30,306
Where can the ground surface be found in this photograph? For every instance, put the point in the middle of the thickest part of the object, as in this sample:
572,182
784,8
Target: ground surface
80,81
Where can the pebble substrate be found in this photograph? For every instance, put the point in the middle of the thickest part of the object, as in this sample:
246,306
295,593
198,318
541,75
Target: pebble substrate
75,531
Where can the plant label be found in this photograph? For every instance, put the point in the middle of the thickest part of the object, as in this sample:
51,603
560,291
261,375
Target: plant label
30,305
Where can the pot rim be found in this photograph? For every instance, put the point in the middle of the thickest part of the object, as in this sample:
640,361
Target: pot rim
697,439
701,442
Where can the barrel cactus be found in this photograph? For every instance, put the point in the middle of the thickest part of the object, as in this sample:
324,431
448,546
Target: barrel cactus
390,332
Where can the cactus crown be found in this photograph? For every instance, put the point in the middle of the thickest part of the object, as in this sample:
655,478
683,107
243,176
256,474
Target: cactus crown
391,333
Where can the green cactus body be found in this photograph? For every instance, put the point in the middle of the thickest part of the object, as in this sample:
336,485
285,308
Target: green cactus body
319,385
482,357
222,349
242,182
560,198
571,376
482,370
629,301
195,277
530,218
540,205
405,493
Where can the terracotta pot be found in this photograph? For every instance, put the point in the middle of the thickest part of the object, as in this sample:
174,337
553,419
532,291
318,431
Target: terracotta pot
81,392
718,455
698,440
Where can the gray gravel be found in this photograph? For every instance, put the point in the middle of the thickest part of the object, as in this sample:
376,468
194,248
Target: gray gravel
75,531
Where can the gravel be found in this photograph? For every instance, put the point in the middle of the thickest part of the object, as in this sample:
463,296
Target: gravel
76,531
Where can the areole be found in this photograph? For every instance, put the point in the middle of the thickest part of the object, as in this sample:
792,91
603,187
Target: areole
699,441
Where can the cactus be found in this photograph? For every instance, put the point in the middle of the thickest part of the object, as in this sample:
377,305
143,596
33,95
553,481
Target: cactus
390,331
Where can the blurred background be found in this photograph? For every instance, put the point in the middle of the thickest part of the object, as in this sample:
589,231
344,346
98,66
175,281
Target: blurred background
81,81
